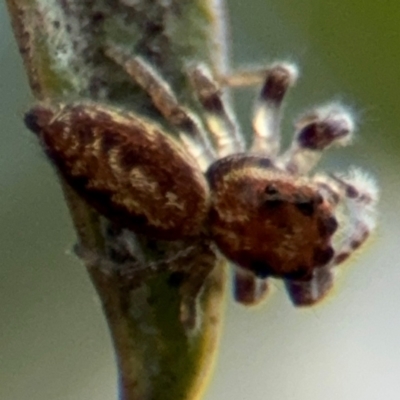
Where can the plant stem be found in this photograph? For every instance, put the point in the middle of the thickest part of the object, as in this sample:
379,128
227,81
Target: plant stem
62,44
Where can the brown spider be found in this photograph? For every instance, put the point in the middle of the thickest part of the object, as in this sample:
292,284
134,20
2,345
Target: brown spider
262,209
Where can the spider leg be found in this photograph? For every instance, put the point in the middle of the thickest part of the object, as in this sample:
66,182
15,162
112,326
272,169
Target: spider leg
248,289
360,195
267,109
220,120
315,132
190,128
244,78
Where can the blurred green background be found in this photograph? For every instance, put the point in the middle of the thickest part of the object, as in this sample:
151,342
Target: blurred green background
53,341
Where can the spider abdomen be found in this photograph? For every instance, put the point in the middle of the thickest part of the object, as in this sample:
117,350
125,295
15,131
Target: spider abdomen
125,167
267,221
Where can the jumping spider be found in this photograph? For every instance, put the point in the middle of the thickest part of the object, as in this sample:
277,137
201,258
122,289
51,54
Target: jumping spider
262,209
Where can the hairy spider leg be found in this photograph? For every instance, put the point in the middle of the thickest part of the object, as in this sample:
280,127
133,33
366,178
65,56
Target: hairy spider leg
190,128
244,77
220,120
267,109
316,131
359,193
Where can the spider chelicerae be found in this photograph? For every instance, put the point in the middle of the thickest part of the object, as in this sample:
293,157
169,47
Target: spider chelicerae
264,210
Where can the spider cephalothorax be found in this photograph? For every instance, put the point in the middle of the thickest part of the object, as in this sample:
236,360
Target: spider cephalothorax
269,222
263,210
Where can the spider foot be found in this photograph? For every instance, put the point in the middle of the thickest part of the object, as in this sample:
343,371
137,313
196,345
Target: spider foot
315,132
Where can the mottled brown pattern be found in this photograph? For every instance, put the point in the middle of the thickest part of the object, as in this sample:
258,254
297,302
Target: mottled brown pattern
260,208
135,175
125,167
268,224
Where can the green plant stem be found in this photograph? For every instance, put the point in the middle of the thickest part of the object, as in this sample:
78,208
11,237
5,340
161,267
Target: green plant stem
62,44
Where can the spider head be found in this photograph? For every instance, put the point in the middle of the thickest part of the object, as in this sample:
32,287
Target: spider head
268,221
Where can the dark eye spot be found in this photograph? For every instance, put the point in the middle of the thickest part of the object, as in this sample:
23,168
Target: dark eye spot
306,208
260,268
271,189
327,226
272,196
321,257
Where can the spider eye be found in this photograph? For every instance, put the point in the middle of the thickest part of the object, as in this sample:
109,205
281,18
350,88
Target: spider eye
327,226
272,199
307,208
271,189
323,256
